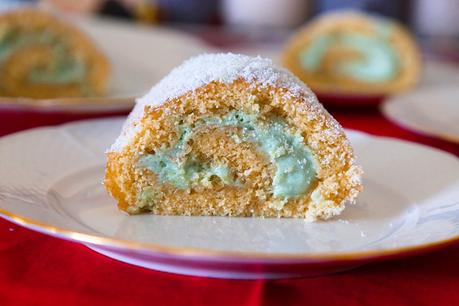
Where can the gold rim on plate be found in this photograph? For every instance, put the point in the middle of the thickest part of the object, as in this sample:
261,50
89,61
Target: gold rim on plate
201,252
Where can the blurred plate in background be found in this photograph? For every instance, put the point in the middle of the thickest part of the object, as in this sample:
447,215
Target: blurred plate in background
140,57
430,110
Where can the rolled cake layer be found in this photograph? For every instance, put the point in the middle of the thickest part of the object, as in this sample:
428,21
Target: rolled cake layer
351,52
44,57
232,135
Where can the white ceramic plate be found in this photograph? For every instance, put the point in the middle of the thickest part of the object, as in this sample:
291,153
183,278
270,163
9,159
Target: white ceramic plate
432,111
51,182
140,57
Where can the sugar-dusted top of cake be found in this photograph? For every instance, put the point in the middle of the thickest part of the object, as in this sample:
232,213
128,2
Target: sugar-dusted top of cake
204,69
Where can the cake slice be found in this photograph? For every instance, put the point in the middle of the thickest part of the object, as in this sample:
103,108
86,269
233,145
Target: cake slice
232,135
352,52
42,56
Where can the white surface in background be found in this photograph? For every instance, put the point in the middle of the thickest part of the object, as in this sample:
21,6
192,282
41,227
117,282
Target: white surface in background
140,55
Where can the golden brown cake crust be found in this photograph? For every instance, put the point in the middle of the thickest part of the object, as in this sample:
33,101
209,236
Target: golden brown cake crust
338,176
400,38
13,75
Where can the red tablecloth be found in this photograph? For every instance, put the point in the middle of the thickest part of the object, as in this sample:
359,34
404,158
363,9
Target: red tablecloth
39,270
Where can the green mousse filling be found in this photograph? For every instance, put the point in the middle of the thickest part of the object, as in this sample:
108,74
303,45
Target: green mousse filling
63,67
293,161
378,61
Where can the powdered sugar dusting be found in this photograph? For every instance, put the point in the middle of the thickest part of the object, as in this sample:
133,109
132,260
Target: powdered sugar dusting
203,69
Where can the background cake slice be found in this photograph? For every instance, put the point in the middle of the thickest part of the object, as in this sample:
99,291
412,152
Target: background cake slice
42,56
354,52
232,135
